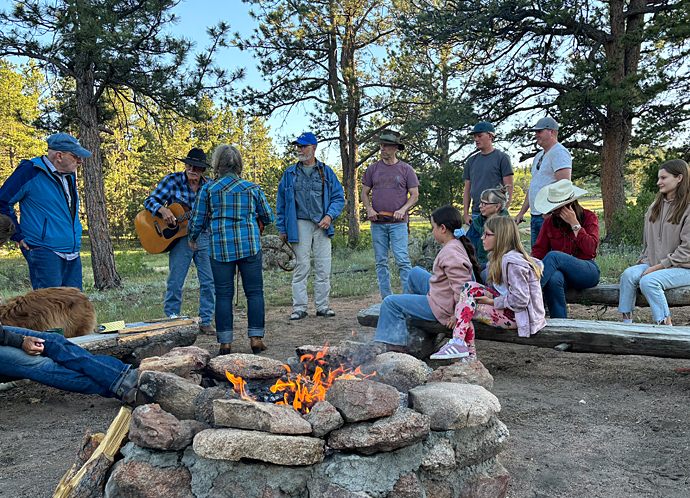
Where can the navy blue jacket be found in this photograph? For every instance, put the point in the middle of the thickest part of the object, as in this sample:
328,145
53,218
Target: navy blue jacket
45,213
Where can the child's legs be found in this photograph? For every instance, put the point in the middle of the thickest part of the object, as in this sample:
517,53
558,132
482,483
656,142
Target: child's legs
654,284
465,310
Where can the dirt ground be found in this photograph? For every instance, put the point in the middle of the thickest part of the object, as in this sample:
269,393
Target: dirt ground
580,424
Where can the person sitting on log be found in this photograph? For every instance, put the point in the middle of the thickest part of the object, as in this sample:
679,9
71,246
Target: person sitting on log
567,244
431,297
493,202
52,360
513,299
665,259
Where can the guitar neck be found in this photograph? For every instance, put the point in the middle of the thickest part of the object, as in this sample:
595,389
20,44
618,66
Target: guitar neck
184,217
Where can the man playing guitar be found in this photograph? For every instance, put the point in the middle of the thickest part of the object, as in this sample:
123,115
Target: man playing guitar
181,188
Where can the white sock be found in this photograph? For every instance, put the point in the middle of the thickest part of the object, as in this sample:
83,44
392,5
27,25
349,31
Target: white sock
627,320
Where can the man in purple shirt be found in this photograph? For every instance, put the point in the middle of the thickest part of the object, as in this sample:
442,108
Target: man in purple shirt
394,189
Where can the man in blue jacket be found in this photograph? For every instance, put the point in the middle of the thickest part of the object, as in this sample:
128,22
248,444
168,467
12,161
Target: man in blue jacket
49,234
310,198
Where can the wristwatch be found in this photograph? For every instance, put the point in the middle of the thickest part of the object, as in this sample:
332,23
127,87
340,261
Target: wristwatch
576,228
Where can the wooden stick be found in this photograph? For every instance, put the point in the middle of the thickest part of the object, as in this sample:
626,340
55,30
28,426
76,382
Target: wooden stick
156,326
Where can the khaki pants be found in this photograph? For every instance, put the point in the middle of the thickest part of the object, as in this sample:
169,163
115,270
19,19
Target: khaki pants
311,239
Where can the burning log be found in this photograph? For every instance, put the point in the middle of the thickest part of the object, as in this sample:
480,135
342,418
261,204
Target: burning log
89,478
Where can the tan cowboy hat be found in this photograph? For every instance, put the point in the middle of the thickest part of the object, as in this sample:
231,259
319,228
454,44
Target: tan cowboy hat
556,195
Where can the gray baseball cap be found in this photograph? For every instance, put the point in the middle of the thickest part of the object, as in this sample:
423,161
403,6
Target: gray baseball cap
545,124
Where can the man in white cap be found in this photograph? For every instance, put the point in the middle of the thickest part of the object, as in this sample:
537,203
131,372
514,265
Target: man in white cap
551,164
182,188
49,234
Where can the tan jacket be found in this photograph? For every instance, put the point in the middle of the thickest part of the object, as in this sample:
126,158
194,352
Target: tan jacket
665,242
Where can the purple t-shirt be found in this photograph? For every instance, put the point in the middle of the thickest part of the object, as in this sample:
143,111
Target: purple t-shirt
389,185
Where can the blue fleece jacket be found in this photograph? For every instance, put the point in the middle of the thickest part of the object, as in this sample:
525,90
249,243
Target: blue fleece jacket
286,211
46,220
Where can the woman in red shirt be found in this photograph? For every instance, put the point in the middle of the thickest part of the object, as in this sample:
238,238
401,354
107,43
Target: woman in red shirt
567,244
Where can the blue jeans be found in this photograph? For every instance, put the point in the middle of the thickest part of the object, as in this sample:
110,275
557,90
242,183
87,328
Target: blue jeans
563,271
253,285
179,259
47,269
63,365
391,328
652,287
473,235
536,221
393,235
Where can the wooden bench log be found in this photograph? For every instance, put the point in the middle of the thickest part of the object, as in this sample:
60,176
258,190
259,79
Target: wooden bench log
584,336
607,294
132,348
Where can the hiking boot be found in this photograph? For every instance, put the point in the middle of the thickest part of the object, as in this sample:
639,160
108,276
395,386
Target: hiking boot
127,392
451,351
225,349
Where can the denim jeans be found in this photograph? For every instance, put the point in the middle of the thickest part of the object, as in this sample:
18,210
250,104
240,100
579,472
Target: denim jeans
473,235
253,285
652,287
47,269
393,235
563,271
311,239
179,259
63,365
391,328
536,221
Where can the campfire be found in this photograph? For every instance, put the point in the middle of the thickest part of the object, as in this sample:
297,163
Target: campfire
300,390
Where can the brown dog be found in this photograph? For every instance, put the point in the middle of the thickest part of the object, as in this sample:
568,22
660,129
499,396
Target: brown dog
52,308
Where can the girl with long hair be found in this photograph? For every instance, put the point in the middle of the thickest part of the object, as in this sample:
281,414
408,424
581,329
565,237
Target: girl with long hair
431,297
665,259
567,244
512,299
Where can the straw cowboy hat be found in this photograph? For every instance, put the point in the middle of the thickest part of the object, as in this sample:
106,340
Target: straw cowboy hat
556,195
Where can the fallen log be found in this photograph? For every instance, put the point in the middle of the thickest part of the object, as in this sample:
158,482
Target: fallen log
583,336
607,294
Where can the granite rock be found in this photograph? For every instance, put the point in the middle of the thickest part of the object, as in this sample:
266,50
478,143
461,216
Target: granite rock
453,406
247,366
174,394
151,427
323,418
142,480
276,419
358,400
471,372
401,371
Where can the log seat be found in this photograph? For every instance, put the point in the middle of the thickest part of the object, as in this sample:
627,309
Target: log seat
607,295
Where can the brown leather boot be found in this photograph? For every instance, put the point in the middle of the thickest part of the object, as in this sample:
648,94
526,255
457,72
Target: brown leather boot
257,345
225,348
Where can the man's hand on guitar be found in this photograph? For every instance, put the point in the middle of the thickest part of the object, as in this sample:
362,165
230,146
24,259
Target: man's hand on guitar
168,216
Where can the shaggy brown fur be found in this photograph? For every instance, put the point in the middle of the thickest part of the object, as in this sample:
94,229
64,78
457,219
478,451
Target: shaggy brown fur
52,308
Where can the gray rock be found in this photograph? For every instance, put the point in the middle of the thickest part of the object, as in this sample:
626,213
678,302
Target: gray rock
174,394
142,480
154,428
407,487
404,428
362,399
179,361
471,372
324,489
486,480
247,366
277,419
323,418
235,444
273,254
401,371
440,459
474,445
453,406
203,403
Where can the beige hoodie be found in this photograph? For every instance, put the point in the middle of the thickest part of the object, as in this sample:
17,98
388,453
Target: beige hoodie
665,242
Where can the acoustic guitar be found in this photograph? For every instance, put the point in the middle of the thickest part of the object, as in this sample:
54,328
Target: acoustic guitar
155,234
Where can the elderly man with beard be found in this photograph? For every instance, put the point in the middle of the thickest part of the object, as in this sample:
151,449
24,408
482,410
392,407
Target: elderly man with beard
182,187
310,198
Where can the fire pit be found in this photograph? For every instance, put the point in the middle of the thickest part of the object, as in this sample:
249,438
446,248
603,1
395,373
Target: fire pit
332,422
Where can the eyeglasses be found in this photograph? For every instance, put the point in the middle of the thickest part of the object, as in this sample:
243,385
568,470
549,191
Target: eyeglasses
484,203
486,235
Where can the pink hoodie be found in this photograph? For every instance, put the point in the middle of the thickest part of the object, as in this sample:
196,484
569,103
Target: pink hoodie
524,295
452,268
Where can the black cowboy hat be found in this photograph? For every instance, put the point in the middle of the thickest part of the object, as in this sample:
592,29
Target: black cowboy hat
390,137
196,157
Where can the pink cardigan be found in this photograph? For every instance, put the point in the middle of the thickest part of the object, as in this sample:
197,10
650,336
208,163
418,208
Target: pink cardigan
452,268
524,295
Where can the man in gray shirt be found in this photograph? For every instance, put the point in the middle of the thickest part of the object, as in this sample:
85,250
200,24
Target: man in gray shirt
486,169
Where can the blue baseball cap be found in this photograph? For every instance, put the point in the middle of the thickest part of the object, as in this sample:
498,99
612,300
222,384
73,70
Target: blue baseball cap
67,143
483,127
305,139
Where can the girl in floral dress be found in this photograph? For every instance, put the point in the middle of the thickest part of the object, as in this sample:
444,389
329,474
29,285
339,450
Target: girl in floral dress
512,300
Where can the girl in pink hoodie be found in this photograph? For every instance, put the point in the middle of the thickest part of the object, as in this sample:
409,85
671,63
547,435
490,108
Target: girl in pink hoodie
513,299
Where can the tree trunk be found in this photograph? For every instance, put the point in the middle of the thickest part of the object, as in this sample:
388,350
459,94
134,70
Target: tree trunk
616,138
102,256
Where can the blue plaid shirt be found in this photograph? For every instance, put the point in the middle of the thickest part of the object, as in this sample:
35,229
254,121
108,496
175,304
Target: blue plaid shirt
172,189
230,207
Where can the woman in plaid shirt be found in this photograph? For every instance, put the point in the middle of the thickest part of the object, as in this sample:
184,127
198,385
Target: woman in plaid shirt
230,206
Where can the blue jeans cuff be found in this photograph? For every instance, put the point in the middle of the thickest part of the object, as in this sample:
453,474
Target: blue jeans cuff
225,337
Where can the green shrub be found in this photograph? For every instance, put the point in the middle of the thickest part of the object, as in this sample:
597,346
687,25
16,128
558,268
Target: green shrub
131,263
630,224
